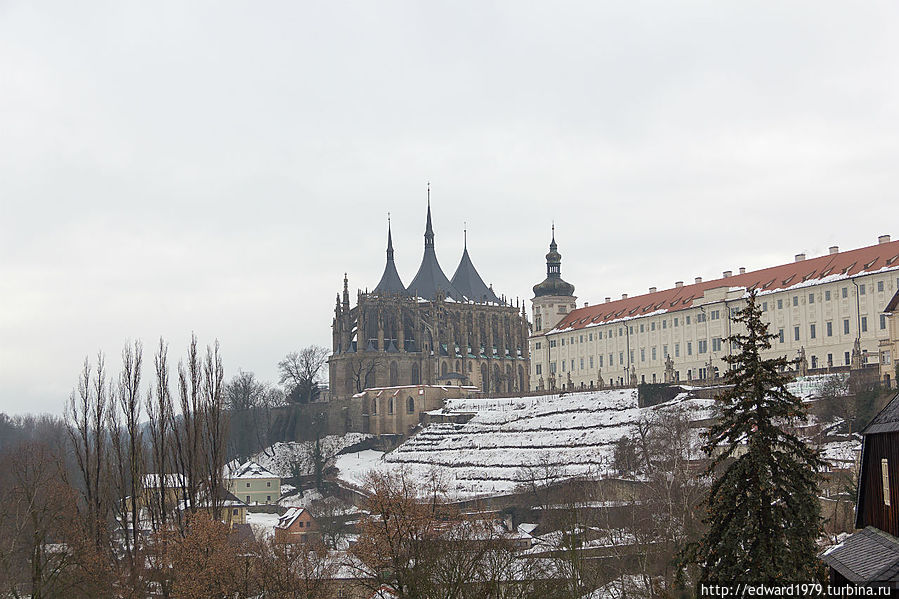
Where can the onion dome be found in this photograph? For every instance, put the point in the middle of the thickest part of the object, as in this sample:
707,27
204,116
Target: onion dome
553,284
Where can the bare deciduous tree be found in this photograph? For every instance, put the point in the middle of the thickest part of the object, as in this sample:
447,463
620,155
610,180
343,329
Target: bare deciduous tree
300,371
86,422
362,371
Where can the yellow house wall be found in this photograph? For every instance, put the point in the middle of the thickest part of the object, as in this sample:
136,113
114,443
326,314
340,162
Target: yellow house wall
256,490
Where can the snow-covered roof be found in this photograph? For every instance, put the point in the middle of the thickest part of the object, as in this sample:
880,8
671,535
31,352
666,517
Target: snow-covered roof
289,517
252,469
171,481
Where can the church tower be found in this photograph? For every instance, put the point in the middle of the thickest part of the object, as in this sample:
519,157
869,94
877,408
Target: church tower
553,298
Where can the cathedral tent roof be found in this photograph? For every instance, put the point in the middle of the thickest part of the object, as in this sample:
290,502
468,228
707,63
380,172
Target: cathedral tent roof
390,281
430,280
469,283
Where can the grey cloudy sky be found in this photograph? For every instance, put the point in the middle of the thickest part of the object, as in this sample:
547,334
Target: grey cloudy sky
168,167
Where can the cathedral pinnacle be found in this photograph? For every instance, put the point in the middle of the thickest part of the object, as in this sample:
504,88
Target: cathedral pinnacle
346,293
429,230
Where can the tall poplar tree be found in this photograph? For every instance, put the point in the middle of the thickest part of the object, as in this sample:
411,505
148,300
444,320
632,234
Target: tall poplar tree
764,515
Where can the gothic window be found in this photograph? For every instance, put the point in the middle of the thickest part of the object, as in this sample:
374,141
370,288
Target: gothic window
416,378
390,406
394,376
410,405
443,369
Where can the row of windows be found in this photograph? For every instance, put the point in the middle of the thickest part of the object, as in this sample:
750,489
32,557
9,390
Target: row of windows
410,406
828,327
713,315
844,294
813,361
702,348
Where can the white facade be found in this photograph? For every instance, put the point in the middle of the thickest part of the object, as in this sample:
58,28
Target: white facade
821,314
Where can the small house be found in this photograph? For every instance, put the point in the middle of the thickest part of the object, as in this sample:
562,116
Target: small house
296,526
871,556
254,484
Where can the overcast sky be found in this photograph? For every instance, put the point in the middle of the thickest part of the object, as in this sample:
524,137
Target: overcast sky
168,167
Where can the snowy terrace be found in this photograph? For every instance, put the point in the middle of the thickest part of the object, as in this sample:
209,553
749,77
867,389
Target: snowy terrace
574,433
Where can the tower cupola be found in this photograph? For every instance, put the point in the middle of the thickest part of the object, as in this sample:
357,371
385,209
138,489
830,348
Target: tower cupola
553,284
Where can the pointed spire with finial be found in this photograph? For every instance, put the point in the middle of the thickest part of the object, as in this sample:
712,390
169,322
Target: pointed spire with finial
390,282
430,281
429,230
553,284
389,239
467,280
346,293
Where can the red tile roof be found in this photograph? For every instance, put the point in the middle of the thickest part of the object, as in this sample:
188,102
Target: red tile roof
840,265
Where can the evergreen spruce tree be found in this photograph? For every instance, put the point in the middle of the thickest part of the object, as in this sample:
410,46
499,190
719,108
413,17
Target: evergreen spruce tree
764,515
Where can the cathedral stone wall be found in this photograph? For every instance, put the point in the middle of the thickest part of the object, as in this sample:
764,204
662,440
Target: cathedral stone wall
409,342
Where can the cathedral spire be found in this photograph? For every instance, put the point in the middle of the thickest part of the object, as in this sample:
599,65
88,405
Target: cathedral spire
429,230
467,280
430,279
389,240
390,281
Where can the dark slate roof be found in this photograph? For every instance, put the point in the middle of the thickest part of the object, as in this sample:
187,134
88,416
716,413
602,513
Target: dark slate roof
469,282
553,283
887,421
390,281
870,555
430,278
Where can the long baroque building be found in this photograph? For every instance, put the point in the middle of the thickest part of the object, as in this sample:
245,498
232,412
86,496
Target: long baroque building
434,331
828,313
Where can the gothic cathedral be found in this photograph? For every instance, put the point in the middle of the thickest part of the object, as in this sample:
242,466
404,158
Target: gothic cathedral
435,331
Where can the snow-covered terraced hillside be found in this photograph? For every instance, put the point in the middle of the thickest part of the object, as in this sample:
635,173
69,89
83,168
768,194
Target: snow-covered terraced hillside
572,434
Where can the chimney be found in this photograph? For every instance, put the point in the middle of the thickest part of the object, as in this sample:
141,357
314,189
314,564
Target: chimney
883,239
834,249
742,270
586,304
678,284
728,273
623,296
698,280
652,289
800,257
608,299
